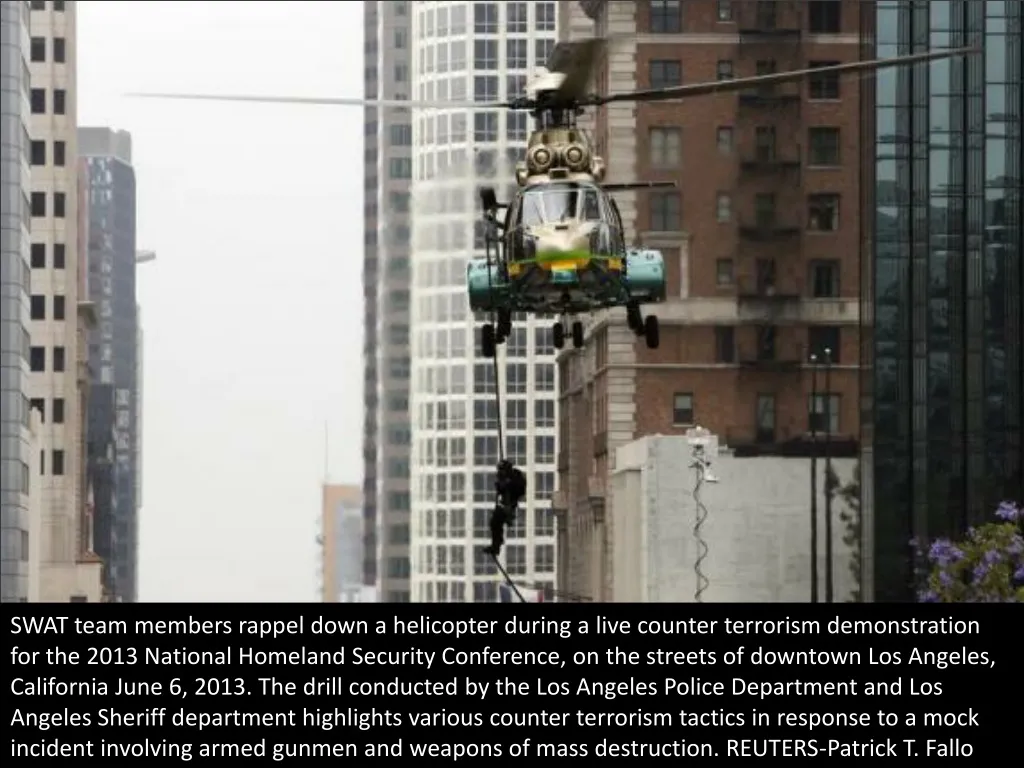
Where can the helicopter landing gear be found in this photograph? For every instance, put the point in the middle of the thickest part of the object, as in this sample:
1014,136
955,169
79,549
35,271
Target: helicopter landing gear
577,335
634,319
488,340
651,332
558,335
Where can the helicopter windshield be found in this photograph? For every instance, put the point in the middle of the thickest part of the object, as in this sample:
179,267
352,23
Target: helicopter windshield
560,202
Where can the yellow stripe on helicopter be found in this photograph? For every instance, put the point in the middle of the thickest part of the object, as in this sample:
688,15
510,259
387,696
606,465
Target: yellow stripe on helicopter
559,262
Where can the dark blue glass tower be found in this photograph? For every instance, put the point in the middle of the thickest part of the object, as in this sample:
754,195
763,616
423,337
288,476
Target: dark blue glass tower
113,352
942,283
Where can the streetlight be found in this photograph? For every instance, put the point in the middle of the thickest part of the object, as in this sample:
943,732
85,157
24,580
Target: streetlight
828,476
814,478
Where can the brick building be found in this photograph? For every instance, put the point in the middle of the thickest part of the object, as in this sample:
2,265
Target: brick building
761,238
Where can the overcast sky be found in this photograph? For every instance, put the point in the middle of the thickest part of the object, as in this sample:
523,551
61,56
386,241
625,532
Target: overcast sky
253,310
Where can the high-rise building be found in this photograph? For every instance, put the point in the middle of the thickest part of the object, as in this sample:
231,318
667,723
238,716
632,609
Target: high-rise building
113,356
486,51
760,240
341,547
942,304
17,443
386,272
56,388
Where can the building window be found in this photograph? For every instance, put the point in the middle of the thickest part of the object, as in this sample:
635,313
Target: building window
764,210
58,359
400,135
725,344
545,17
764,143
666,16
37,154
515,17
545,46
38,99
682,408
485,89
485,54
485,18
725,10
58,6
58,255
485,126
544,377
823,413
665,212
37,50
400,168
723,207
59,50
57,463
401,39
665,73
38,5
824,16
38,405
59,154
59,205
824,341
824,146
60,97
824,279
666,147
544,449
823,212
544,414
724,272
724,70
544,558
517,53
724,139
37,307
38,204
37,359
38,255
826,85
58,410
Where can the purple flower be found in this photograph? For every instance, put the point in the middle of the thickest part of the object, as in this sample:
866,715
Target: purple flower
1008,511
1016,546
944,553
929,596
945,579
1018,576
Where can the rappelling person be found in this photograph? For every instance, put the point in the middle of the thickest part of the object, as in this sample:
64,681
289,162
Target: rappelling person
510,485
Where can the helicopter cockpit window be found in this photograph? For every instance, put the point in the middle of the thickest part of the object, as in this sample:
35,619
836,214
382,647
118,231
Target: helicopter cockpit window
564,202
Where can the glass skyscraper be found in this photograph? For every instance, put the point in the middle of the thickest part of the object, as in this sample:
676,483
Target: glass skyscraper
942,280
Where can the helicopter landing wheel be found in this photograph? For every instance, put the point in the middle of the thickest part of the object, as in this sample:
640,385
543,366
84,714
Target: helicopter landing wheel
558,335
504,323
652,333
634,319
488,341
577,334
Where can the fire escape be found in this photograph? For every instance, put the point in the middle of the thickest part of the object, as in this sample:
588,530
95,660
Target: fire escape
768,263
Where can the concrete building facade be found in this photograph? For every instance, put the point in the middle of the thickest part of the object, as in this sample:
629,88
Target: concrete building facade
58,390
386,274
760,238
485,51
113,356
341,547
18,448
756,526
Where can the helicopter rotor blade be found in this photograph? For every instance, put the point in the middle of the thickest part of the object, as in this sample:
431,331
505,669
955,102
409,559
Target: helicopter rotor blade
350,102
576,60
760,81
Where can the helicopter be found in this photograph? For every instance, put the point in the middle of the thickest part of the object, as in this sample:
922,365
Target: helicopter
560,249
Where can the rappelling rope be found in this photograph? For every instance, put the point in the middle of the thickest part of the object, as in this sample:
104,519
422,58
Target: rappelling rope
488,241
